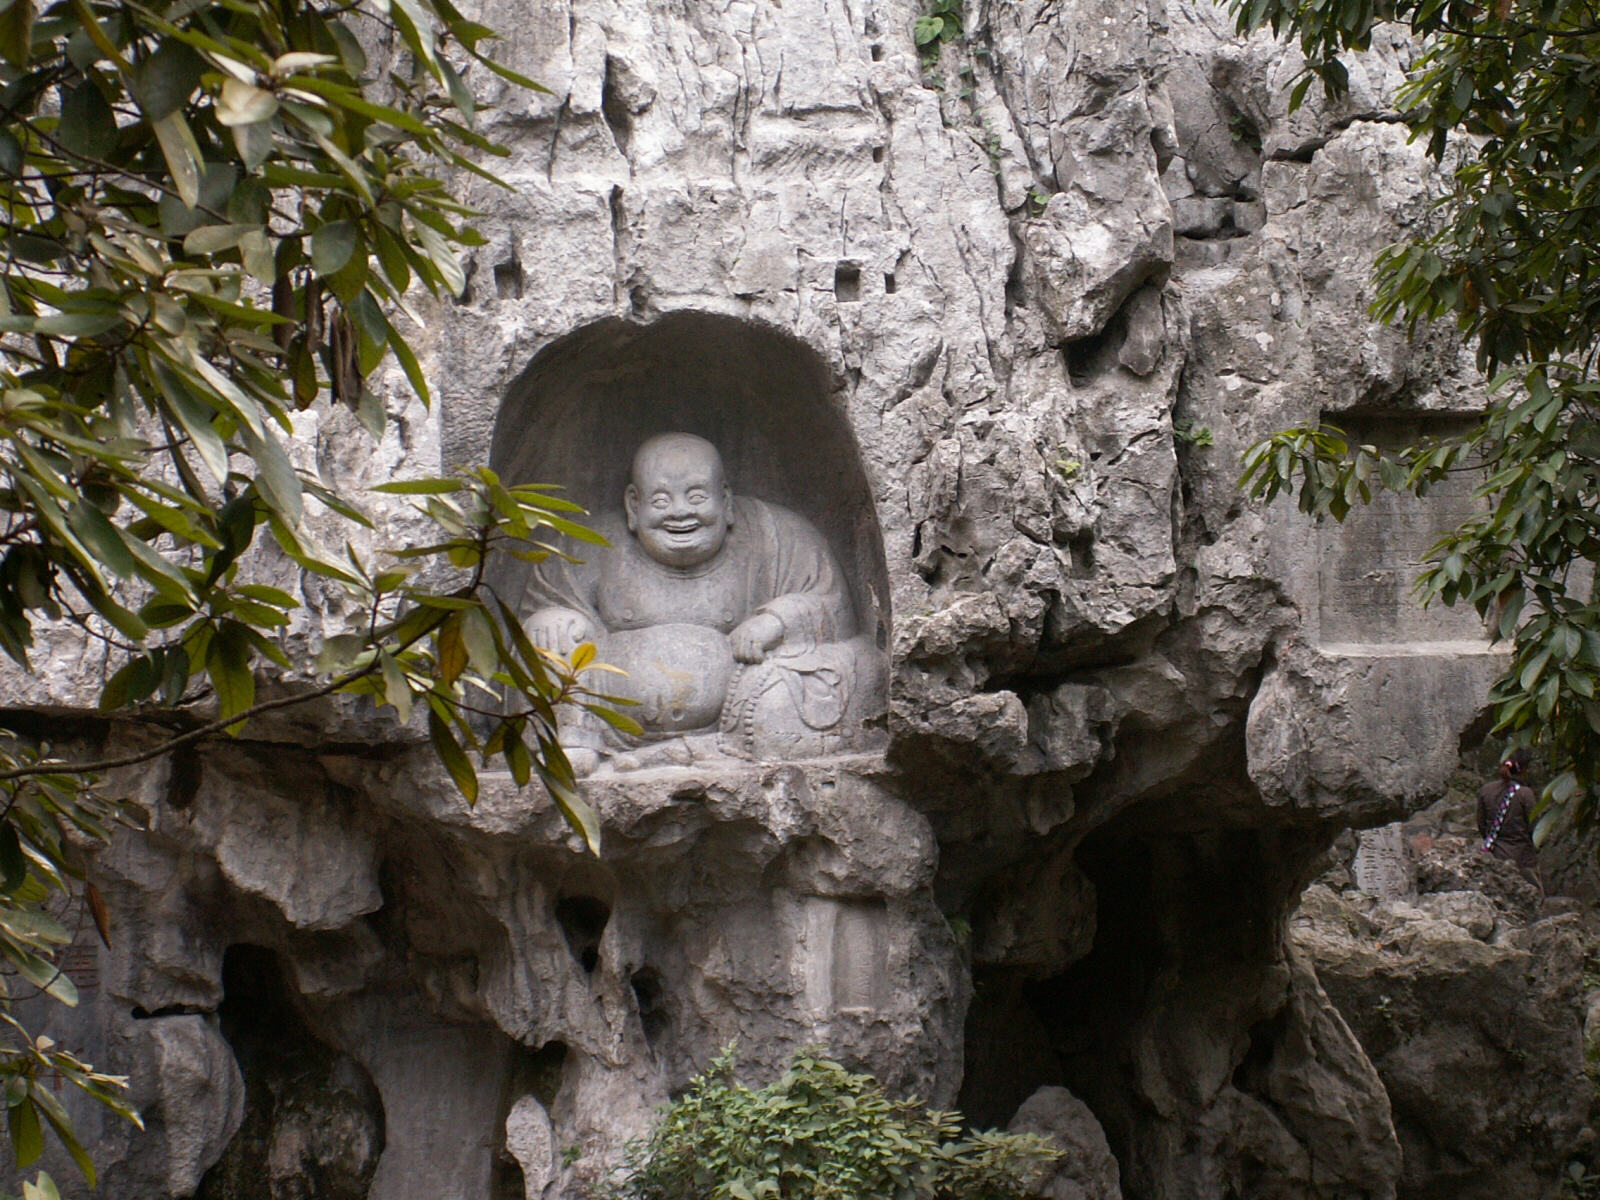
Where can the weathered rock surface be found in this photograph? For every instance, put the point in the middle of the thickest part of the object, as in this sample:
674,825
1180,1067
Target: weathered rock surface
1470,1006
999,330
1087,1170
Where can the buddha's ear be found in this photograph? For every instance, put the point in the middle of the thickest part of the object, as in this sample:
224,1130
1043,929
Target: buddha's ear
727,503
630,506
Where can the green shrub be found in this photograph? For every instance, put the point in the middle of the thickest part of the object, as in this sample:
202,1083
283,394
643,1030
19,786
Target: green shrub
819,1133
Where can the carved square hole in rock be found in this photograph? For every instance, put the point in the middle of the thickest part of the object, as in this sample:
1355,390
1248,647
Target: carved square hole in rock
889,285
847,283
184,776
877,51
877,154
508,280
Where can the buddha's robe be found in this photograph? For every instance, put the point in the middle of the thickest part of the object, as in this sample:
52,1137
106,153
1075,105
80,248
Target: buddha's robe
667,626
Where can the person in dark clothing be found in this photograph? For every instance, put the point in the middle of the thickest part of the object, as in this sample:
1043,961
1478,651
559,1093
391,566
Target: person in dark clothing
1505,817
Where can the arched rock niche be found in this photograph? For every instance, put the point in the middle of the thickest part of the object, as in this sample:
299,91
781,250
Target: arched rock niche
586,402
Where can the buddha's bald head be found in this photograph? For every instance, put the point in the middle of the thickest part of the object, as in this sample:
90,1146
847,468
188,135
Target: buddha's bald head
677,501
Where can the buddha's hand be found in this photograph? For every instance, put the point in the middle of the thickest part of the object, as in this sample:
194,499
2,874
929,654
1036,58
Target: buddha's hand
754,638
559,630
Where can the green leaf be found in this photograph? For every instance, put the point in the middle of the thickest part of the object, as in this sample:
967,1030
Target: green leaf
453,757
332,245
77,324
452,650
1531,672
59,1122
16,34
13,865
228,666
43,974
419,487
618,721
29,925
102,538
518,761
370,412
510,75
350,98
254,143
10,153
195,420
182,154
350,49
214,239
164,82
558,781
409,364
396,688
27,1135
275,474
443,258
174,675
128,684
339,652
477,632
88,126
123,621
460,94
1297,95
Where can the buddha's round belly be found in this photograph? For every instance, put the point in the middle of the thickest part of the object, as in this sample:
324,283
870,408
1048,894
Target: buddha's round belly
678,673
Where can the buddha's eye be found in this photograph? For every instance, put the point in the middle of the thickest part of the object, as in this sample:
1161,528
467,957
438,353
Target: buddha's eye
660,500
697,497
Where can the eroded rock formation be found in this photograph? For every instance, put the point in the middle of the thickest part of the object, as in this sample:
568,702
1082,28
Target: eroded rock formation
1467,996
998,328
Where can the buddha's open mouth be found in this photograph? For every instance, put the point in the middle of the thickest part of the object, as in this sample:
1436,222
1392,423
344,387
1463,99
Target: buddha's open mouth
679,528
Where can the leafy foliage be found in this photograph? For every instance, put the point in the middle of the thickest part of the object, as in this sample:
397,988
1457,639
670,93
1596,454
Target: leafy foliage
943,22
211,214
819,1132
43,814
1507,95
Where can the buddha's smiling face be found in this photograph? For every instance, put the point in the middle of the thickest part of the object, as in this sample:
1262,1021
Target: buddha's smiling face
677,500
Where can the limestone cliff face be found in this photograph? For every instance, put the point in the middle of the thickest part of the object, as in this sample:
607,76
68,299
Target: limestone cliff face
1000,327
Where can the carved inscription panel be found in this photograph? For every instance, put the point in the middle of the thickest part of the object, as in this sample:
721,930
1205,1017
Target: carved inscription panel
847,957
1382,867
1368,564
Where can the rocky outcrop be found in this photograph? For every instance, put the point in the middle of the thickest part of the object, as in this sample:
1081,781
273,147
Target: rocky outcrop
999,328
1087,1170
1469,1004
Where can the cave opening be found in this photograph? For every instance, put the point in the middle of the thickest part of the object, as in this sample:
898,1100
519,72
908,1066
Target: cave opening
1093,355
650,997
537,1072
583,921
1179,997
313,1119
